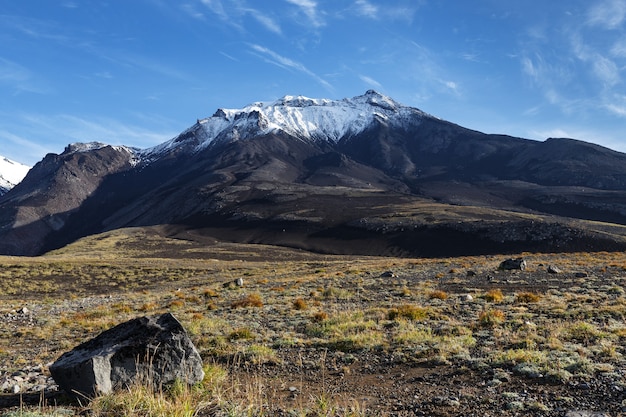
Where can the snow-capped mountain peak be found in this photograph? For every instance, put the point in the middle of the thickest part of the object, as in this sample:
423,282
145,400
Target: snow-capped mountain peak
11,173
299,116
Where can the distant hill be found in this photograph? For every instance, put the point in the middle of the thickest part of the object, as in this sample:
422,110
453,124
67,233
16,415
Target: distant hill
363,175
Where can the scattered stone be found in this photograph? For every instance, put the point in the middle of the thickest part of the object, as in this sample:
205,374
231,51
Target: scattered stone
515,406
234,283
552,269
152,350
582,413
513,264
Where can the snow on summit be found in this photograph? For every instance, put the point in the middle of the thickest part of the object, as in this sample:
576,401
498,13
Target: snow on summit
302,117
11,173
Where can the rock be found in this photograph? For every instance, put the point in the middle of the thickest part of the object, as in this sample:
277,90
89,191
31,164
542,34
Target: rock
513,264
235,283
151,350
388,274
581,275
471,273
466,297
582,413
553,269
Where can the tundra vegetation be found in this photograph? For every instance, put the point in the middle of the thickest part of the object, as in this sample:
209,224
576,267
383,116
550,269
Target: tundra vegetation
312,335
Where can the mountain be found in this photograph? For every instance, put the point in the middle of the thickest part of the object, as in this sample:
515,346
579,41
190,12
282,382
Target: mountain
11,173
362,175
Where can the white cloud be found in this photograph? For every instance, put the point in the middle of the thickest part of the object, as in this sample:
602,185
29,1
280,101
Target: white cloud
269,23
309,8
451,85
371,82
191,10
19,78
605,70
619,48
276,59
608,14
367,9
58,130
617,109
216,7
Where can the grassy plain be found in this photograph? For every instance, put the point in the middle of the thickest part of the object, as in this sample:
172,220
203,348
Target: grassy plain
316,335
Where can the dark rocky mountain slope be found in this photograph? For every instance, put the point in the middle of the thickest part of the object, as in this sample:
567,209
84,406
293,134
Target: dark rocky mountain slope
363,175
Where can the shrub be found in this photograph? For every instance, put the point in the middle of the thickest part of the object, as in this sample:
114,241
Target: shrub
408,311
251,300
300,304
494,296
319,317
241,333
527,297
438,294
491,318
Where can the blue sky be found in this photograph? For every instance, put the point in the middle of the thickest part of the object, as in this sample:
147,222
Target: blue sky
137,72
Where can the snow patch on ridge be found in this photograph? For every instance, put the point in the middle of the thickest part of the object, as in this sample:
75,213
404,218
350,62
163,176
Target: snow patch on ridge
11,173
302,117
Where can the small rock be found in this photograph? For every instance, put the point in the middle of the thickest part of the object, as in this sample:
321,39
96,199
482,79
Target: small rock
552,269
388,274
23,311
583,413
16,389
293,389
471,273
581,275
515,406
466,297
239,282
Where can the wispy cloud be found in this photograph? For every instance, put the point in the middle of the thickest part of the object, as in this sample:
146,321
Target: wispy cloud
18,78
269,23
367,9
58,130
371,82
617,105
603,68
233,14
609,14
216,7
310,10
618,49
20,149
192,11
451,86
274,58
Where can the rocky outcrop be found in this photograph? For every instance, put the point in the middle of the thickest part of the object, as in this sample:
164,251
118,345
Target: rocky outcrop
151,350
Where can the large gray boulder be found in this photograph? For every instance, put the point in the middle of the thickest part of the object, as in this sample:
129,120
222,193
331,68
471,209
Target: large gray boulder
151,350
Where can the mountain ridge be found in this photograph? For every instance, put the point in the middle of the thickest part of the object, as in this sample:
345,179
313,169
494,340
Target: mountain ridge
322,174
